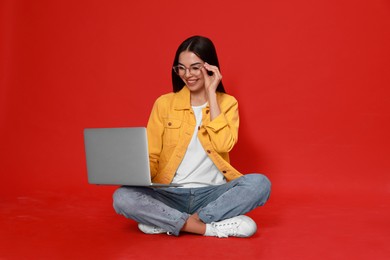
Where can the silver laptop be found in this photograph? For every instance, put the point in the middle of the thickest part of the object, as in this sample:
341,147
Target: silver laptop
118,156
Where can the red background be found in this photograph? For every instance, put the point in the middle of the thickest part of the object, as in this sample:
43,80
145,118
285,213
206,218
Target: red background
312,81
311,77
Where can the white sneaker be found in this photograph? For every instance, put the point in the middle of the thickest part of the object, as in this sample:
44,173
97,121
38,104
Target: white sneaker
151,230
240,226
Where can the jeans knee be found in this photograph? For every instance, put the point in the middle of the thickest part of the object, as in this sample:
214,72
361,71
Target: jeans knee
120,200
261,186
116,199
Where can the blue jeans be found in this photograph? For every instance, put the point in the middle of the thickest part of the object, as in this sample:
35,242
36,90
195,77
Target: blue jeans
169,208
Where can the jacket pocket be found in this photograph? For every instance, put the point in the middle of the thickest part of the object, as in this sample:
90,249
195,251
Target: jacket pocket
171,134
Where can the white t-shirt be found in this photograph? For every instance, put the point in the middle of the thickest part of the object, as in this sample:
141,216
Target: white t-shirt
196,168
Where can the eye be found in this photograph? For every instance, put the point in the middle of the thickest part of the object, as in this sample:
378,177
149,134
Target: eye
195,68
181,68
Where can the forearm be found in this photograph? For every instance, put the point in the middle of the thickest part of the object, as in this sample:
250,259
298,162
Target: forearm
223,128
214,106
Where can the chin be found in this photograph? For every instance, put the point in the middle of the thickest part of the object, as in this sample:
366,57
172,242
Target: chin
195,87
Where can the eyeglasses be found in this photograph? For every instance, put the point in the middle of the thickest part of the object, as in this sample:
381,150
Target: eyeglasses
194,70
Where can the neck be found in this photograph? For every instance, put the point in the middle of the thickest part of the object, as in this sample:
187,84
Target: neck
198,98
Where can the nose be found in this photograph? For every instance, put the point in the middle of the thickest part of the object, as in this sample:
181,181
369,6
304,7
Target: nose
187,73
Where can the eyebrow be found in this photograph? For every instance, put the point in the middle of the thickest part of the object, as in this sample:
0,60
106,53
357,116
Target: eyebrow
196,63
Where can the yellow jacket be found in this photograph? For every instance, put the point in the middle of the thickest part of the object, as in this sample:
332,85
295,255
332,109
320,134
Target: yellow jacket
170,128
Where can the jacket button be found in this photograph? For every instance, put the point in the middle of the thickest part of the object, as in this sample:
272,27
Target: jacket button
223,171
208,151
207,111
198,127
169,123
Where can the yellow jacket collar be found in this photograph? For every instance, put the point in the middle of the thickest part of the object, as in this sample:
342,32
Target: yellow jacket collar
182,99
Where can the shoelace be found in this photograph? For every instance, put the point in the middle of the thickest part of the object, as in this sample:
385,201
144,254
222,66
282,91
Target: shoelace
225,229
158,230
153,229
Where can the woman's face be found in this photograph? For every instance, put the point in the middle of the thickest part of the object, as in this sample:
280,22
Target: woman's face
190,71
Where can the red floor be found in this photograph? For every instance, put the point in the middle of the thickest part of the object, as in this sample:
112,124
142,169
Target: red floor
49,224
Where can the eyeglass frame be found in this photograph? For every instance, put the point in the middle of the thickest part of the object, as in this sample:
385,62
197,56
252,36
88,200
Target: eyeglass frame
189,69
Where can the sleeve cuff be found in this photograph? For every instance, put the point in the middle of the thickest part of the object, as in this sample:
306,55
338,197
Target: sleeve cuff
218,123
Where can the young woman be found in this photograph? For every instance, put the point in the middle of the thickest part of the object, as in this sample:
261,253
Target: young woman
190,133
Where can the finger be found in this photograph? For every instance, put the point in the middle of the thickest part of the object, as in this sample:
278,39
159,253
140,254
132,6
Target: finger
205,75
213,69
208,80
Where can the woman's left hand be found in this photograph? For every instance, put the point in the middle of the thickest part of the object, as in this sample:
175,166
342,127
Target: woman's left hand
211,82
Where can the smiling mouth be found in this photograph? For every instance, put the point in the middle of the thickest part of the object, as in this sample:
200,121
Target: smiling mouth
191,81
